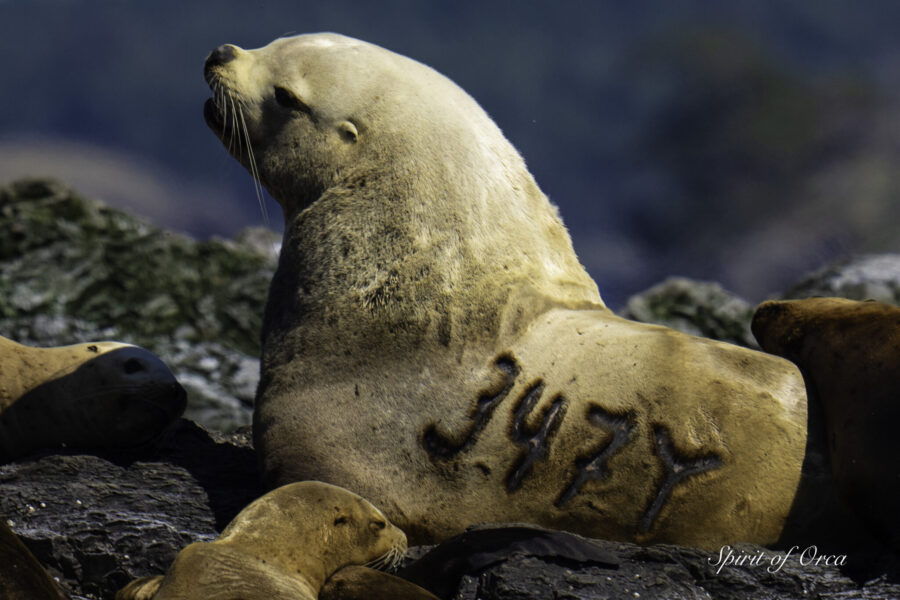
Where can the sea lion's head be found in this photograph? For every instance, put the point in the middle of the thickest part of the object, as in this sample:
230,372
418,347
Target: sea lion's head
308,112
91,395
311,521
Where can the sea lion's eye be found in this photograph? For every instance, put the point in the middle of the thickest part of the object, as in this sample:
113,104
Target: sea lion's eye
379,525
289,99
340,521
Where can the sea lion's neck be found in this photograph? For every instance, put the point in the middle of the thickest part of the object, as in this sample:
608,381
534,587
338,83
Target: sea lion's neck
442,263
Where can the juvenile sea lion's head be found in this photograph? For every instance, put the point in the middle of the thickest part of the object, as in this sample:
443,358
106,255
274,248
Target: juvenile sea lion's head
314,522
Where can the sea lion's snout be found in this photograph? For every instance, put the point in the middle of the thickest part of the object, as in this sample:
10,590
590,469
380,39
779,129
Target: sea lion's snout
143,374
136,363
220,56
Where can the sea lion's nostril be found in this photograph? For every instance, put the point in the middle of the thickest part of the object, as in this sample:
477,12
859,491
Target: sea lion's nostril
133,365
221,55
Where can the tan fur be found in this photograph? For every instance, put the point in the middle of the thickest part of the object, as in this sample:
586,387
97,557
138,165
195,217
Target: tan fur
427,293
142,588
84,395
360,583
283,545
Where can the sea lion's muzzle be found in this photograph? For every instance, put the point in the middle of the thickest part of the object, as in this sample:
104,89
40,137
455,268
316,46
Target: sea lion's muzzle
220,56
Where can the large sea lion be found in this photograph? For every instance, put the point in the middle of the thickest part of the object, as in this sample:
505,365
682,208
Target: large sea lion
98,394
282,545
431,341
849,353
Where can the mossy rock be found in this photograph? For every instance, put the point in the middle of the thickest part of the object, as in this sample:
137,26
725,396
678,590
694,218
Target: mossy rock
65,255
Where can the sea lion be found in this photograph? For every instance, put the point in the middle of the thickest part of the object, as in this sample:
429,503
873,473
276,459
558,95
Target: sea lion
431,341
21,575
98,394
284,544
849,353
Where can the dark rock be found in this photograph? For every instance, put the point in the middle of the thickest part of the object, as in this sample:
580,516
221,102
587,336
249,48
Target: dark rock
22,577
514,572
873,276
442,568
61,254
695,307
98,521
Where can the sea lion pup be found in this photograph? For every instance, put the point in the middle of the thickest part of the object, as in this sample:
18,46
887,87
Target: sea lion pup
282,545
849,353
431,341
98,394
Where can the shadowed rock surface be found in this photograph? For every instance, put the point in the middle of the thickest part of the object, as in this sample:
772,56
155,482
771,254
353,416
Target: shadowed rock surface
96,522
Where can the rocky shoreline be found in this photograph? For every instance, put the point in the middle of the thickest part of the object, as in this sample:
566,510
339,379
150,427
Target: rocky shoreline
97,520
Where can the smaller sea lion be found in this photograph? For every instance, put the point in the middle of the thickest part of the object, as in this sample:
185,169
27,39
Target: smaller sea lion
362,583
21,575
282,545
98,394
849,354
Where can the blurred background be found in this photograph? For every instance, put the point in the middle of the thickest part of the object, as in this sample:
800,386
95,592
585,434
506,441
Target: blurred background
744,142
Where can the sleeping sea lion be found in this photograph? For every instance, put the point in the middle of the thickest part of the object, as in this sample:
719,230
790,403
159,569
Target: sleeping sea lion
98,394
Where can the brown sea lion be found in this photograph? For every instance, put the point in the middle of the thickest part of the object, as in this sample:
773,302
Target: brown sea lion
849,353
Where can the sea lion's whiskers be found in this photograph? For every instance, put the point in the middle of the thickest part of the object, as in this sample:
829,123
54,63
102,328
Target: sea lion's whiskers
389,560
254,172
378,563
233,137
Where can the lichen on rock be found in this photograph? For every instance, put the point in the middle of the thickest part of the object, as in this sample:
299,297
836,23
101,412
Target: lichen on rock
74,270
695,307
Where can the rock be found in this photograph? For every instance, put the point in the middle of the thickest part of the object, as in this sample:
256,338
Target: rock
98,521
74,270
525,562
872,276
696,307
22,576
669,573
62,254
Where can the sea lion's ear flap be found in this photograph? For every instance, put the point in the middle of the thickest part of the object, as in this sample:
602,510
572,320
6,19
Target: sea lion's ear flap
348,131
